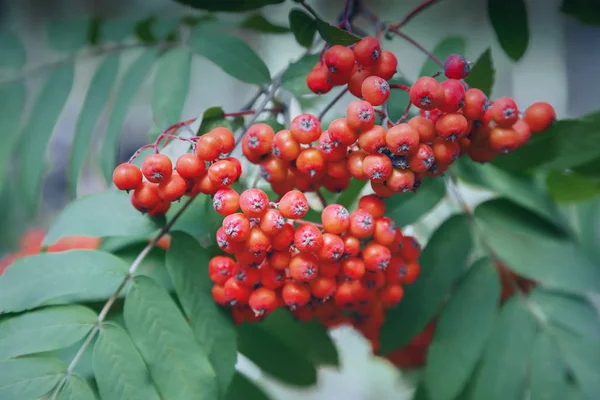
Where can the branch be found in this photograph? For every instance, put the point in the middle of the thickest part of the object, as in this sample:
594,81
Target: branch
104,312
418,9
417,45
332,103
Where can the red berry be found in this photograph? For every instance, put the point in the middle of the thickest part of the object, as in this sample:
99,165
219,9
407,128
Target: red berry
444,151
127,176
254,203
413,269
160,209
456,67
340,63
360,115
356,80
373,141
218,294
173,188
539,116
523,132
336,185
258,243
305,128
402,139
271,278
236,163
476,104
332,248
145,197
189,166
401,181
410,250
157,168
503,140
209,147
323,287
263,301
235,292
236,227
319,81
335,219
426,93
385,231
222,173
205,185
226,201
272,222
375,90
391,295
353,268
330,149
220,269
361,224
308,238
280,259
355,164
454,96
376,257
293,205
284,146
304,267
373,204
386,66
295,295
345,294
504,112
378,167
367,51
422,159
227,138
341,133
452,126
284,239
311,162
274,170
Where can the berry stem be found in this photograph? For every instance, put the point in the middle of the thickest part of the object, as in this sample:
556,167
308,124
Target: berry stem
417,45
138,151
332,103
405,115
417,10
346,17
322,198
251,112
303,221
111,301
400,86
309,9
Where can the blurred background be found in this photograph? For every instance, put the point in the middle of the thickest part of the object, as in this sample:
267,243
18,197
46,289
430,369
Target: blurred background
560,67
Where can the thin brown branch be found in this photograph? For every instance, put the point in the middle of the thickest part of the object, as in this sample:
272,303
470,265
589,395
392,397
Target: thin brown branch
417,45
413,13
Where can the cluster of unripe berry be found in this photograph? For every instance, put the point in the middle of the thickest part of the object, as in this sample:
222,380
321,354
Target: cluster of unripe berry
163,184
349,268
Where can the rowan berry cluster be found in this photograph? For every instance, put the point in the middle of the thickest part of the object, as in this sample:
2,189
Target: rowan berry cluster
350,267
163,184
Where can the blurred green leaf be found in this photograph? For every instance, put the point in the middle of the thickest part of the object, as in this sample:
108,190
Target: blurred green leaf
231,54
243,388
96,99
12,103
119,369
571,187
128,87
76,388
214,117
590,169
258,22
36,134
398,100
93,33
170,88
446,47
13,51
408,208
548,369
99,215
586,222
229,5
509,20
582,358
177,363
153,265
504,366
212,327
29,378
585,11
540,256
294,77
55,278
482,73
68,35
303,26
143,29
46,329
273,123
200,210
334,35
350,196
443,261
462,331
116,29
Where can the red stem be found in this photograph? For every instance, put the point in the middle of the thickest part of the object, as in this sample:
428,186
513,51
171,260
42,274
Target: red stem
400,86
381,113
251,112
405,115
138,151
301,221
418,9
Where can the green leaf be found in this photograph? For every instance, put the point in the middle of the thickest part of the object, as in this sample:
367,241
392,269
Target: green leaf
519,188
54,278
36,135
334,35
586,222
76,388
504,366
231,54
29,378
128,88
568,312
177,364
571,187
273,123
243,388
152,266
119,369
350,196
258,22
408,208
214,117
116,29
46,329
13,51
443,261
100,215
462,331
534,252
212,327
303,26
229,5
294,77
95,101
398,99
68,35
12,103
585,11
274,357
548,369
200,210
448,46
509,20
308,338
171,84
84,365
582,358
482,73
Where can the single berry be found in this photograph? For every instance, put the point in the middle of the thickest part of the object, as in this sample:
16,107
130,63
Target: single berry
539,116
305,128
381,189
335,219
426,93
425,127
220,269
157,168
145,197
330,149
401,181
385,231
311,162
362,224
285,147
386,66
222,173
375,90
391,295
272,222
504,112
422,159
445,151
456,67
308,238
259,138
376,257
127,176
378,167
262,301
452,126
293,205
402,139
476,104
273,169
258,244
280,260
189,166
360,115
410,250
304,267
367,51
235,292
373,141
341,133
284,239
332,248
226,201
236,227
227,138
173,188
353,268
295,295
373,204
205,185
355,164
503,140
254,203
319,81
323,287
523,132
454,96
209,147
356,80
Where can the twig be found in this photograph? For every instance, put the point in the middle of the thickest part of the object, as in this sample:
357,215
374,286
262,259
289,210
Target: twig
332,103
322,198
400,86
104,312
406,112
309,9
417,45
418,9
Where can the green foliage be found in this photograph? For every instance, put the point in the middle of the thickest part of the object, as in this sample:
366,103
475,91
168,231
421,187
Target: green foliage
462,331
76,388
294,77
12,98
443,261
509,19
571,187
29,378
586,11
482,73
398,100
258,22
242,388
408,208
334,35
230,5
303,26
100,215
13,51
